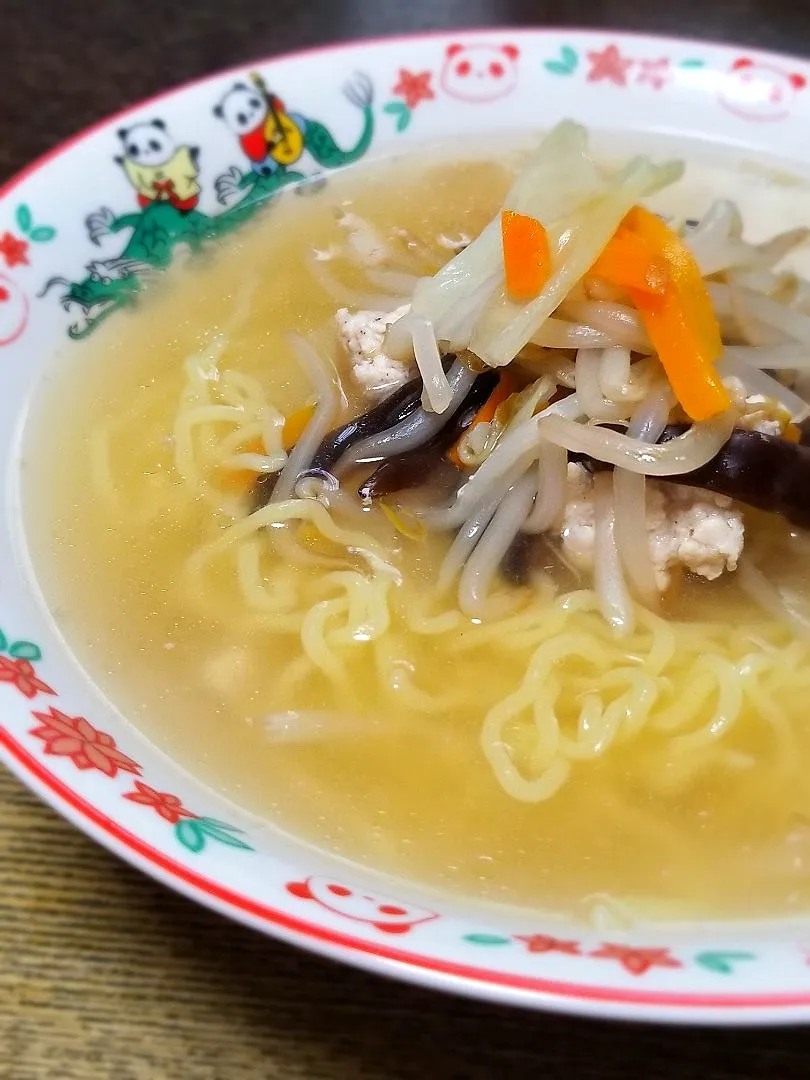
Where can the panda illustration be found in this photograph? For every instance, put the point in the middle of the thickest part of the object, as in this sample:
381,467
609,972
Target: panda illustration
760,91
270,137
480,72
159,170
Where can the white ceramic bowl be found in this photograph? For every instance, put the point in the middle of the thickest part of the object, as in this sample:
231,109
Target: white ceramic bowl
73,750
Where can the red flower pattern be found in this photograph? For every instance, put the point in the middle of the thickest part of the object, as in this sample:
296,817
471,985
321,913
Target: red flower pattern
76,738
636,961
609,66
20,673
653,72
414,87
542,943
14,251
167,806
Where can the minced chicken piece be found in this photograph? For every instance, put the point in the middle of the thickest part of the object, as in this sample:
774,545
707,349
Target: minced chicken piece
454,243
757,412
364,240
687,527
363,334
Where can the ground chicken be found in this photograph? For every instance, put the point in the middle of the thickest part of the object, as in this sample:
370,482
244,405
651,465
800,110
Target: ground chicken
686,527
363,333
757,412
364,240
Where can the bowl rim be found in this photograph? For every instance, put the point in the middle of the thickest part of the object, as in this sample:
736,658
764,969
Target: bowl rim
373,40
772,1008
463,979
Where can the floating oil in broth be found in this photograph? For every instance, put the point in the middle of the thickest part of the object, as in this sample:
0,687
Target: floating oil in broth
381,781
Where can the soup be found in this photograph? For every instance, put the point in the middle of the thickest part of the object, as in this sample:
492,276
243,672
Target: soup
504,694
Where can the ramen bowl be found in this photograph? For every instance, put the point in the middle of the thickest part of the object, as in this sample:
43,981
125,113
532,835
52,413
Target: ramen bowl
78,240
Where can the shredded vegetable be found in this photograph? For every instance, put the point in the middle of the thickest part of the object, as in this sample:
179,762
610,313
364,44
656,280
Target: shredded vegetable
608,326
404,522
507,385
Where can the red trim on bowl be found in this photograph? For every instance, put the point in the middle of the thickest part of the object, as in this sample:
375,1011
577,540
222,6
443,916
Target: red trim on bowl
243,905
347,46
127,845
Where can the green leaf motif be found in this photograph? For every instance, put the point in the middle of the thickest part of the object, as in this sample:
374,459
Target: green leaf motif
569,55
220,824
24,650
722,963
404,119
222,833
190,835
692,63
557,67
24,217
3,642
395,107
487,939
42,234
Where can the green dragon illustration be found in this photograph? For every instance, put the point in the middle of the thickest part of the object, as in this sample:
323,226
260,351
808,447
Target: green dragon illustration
160,230
264,178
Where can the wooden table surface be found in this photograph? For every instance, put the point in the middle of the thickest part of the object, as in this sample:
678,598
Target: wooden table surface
104,975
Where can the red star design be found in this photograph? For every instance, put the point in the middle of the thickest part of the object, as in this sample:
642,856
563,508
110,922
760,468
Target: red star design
636,961
414,87
608,65
167,806
20,673
654,72
542,943
75,738
14,251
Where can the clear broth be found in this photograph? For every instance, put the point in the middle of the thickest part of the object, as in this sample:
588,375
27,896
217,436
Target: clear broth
412,794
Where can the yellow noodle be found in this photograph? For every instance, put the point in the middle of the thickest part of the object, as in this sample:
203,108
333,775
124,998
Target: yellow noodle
619,740
619,702
727,709
278,595
102,474
313,637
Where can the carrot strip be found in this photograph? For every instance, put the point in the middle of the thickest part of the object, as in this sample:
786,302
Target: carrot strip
526,256
793,433
629,261
681,322
240,480
507,385
295,425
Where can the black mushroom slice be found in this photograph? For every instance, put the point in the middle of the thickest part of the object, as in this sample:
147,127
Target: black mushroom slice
411,468
262,491
395,408
391,411
764,471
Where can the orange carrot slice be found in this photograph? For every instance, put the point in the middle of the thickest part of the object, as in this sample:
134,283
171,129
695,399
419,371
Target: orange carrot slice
241,480
295,425
507,385
630,262
680,322
526,256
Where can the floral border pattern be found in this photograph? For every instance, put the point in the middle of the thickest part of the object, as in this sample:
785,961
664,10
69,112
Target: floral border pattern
410,88
758,91
60,735
611,65
88,748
